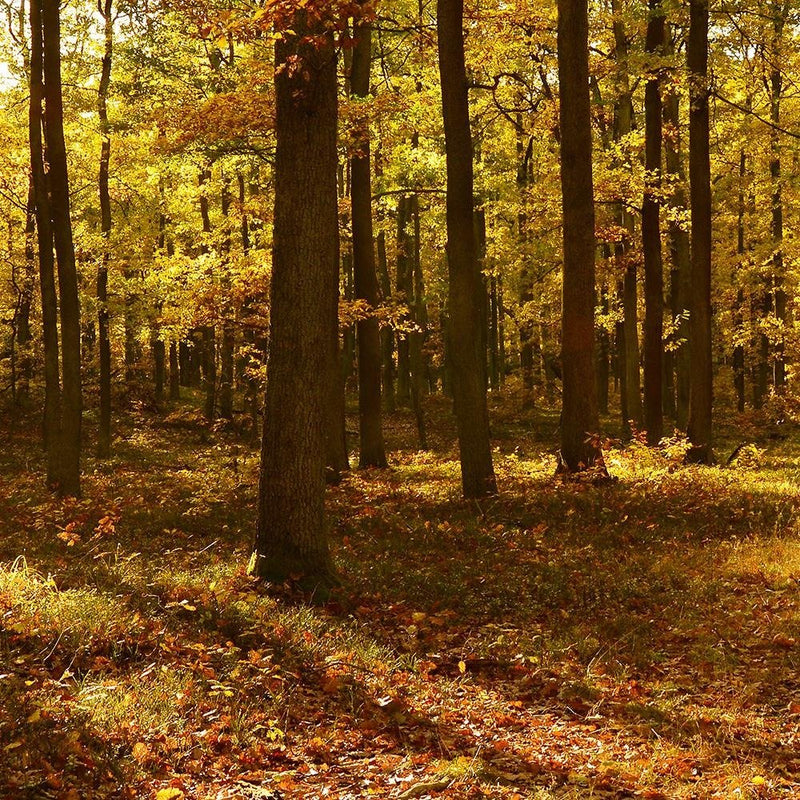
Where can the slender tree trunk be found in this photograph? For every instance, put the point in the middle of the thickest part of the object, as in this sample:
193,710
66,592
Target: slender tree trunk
174,373
22,320
651,238
404,290
622,128
103,334
416,339
465,285
291,539
579,416
71,408
372,452
208,334
738,309
228,345
701,398
778,277
603,347
387,332
51,419
679,249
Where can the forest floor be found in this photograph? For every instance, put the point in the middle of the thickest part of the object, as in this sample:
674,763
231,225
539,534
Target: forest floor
562,640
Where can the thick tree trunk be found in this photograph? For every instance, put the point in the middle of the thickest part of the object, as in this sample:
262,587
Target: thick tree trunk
22,317
465,285
579,416
372,452
651,238
71,406
291,539
701,398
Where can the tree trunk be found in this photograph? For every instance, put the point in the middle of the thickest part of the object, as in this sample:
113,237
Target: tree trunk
579,416
622,128
228,344
387,332
372,452
174,373
778,276
465,285
651,238
701,397
680,258
416,339
51,419
103,322
404,290
71,406
291,539
738,308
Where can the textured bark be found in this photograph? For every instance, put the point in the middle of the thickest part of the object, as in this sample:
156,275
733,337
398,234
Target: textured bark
623,125
680,259
701,397
228,344
738,308
579,415
387,332
51,418
778,276
416,338
291,539
208,337
371,452
174,373
103,322
69,306
651,239
405,292
465,286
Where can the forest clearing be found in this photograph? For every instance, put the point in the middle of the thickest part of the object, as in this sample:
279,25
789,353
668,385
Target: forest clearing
560,640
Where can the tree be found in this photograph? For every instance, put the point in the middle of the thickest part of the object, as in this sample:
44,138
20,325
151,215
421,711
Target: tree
104,341
465,284
291,535
372,453
701,395
579,415
651,237
63,404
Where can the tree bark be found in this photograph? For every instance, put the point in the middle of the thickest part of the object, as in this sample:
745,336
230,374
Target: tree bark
103,321
651,238
701,397
680,258
291,539
372,452
465,285
579,416
69,305
51,418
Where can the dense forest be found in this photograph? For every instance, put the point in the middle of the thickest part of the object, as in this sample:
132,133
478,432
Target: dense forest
397,399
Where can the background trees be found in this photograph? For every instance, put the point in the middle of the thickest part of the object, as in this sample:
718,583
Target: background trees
169,264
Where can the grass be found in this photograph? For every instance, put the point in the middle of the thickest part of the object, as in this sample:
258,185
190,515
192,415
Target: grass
558,641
